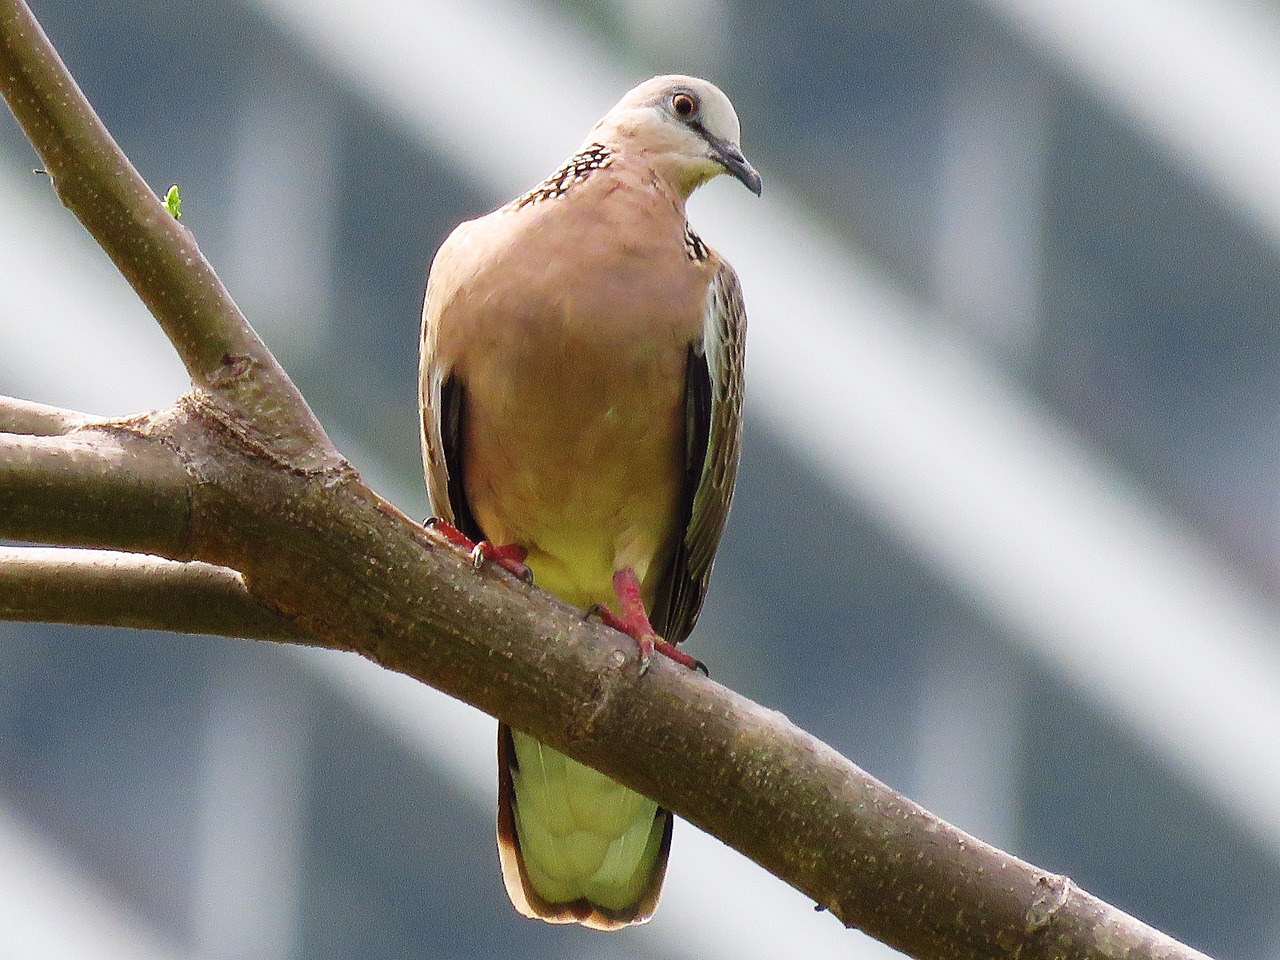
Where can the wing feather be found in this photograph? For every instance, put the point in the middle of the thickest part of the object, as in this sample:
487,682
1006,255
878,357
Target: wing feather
442,401
713,437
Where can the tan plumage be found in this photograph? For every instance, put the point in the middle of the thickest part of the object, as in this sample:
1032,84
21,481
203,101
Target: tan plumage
581,393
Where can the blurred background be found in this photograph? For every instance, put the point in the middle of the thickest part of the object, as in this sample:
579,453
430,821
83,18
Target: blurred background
1007,531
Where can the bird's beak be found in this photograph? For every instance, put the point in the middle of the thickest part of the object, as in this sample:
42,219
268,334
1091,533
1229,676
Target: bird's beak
735,164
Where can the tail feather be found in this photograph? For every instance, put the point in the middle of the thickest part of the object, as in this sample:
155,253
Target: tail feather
574,864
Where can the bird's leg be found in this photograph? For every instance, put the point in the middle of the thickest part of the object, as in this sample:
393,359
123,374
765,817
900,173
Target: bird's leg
509,556
634,622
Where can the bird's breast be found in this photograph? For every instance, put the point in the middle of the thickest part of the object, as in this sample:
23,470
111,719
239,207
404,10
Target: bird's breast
572,356
573,450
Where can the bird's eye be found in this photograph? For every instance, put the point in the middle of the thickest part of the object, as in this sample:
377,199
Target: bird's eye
684,105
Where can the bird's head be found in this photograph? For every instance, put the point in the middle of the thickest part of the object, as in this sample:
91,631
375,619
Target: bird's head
687,126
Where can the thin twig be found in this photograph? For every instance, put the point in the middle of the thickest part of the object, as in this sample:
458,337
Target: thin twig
100,587
38,420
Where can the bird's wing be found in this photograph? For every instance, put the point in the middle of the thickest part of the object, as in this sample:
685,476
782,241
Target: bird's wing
442,402
713,435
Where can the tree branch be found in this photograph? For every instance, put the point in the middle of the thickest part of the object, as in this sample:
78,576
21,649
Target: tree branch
98,587
154,252
353,572
38,420
267,496
98,486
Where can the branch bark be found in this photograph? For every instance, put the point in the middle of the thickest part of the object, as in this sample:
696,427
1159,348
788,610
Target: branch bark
36,419
245,480
104,588
100,485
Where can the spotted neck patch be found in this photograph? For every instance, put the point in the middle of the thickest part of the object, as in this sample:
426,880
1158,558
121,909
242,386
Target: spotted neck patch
694,247
574,170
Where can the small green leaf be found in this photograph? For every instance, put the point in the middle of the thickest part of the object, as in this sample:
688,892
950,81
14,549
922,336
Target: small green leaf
173,202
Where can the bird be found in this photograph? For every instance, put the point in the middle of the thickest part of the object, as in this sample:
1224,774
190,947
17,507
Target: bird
580,387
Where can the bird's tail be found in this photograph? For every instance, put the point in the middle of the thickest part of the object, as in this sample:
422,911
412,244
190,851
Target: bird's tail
575,846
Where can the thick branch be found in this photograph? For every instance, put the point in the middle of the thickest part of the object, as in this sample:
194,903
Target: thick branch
38,420
154,252
100,486
97,587
355,573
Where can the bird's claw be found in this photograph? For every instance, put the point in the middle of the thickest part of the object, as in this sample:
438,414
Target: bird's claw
648,642
634,622
509,556
657,644
669,651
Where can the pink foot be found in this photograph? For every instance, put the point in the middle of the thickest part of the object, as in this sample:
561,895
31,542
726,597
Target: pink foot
509,556
634,622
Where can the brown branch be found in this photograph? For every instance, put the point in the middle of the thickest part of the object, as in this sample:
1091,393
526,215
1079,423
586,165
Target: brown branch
155,253
38,420
102,588
104,485
356,574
